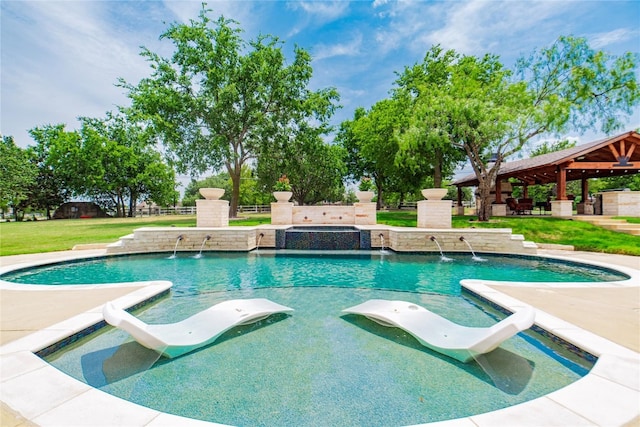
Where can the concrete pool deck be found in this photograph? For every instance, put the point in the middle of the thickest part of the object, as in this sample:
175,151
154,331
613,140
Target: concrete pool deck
605,319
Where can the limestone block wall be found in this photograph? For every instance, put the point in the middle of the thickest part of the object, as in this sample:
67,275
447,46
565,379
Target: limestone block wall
212,213
621,203
486,240
310,215
288,214
434,214
401,239
281,213
163,239
364,213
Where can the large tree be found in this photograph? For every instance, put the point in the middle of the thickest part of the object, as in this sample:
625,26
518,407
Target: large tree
218,99
314,168
490,112
371,143
48,190
423,146
109,160
122,165
17,175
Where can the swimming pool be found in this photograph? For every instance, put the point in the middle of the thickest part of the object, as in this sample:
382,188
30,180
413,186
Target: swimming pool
335,370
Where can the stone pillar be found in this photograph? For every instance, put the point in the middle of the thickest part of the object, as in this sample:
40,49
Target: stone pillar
585,208
562,208
498,209
212,213
621,203
282,213
365,214
434,214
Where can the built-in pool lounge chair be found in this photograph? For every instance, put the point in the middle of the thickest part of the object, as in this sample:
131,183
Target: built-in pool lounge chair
439,334
203,328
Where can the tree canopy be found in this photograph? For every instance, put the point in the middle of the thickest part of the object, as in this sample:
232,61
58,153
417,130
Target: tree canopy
17,174
218,99
490,112
314,168
109,160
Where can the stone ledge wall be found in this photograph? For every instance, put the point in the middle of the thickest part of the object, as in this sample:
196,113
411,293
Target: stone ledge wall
400,239
494,240
163,239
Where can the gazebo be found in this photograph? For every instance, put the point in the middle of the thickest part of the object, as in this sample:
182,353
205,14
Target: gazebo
615,156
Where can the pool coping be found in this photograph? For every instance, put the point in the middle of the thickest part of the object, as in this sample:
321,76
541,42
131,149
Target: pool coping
607,395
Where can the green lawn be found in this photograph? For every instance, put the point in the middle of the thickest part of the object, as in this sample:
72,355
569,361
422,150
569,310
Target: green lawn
59,235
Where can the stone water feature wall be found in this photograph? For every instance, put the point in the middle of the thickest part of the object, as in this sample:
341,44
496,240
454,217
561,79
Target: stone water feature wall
323,238
357,214
400,239
335,228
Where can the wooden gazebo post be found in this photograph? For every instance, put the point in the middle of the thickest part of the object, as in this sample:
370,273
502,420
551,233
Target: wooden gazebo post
561,206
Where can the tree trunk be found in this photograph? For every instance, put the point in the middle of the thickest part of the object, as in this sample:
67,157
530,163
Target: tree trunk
235,191
118,206
486,182
484,193
133,199
437,169
379,200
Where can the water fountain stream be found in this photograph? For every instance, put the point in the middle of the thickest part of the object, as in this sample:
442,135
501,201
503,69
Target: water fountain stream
199,255
382,249
442,256
175,248
474,257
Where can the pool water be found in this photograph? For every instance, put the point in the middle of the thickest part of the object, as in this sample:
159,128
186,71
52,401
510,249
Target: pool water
317,366
228,271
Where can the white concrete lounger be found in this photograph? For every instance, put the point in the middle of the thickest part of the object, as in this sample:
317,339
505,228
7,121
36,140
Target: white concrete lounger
439,334
203,328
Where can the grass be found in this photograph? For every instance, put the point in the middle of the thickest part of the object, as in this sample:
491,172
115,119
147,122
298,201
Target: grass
60,235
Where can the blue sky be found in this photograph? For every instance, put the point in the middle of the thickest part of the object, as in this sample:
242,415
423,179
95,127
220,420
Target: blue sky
61,59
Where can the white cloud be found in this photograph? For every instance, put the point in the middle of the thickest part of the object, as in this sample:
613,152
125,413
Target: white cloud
324,10
351,48
471,27
380,3
316,13
478,27
72,64
242,11
601,40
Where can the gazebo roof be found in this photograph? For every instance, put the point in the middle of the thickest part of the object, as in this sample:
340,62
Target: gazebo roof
615,156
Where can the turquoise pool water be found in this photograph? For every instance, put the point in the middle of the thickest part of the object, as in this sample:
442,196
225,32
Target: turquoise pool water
228,271
317,367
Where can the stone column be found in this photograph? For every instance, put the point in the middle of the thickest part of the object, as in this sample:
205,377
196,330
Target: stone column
499,209
212,213
585,208
562,208
282,213
434,214
621,203
365,214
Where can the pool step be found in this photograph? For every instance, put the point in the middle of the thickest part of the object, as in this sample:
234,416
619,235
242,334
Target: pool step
609,223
